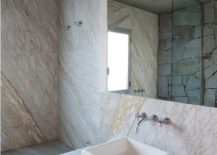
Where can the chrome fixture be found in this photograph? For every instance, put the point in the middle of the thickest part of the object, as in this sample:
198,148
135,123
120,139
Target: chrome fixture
142,117
165,121
78,23
155,118
67,27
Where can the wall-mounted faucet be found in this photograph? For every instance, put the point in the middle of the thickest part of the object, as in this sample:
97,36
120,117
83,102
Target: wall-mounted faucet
166,121
142,117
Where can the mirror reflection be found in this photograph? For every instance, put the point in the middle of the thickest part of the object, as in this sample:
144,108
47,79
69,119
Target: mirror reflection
163,49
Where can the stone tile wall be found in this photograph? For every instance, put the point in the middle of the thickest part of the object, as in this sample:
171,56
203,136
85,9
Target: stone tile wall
210,53
179,70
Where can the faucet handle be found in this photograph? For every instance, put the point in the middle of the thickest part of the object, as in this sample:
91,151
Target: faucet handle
142,115
155,118
166,121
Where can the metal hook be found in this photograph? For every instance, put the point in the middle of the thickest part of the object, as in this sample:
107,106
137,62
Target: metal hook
79,23
67,27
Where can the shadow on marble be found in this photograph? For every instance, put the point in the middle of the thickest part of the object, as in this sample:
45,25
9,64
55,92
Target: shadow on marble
51,148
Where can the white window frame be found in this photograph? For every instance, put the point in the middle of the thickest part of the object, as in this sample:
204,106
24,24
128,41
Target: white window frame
128,32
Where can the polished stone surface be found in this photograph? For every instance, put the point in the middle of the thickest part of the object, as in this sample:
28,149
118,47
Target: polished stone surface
210,63
90,117
29,72
192,131
87,116
51,148
76,152
179,72
79,70
179,66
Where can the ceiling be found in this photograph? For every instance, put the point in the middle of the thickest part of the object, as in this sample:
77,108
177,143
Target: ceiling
161,6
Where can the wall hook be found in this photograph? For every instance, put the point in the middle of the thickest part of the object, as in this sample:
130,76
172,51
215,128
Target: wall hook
79,23
67,27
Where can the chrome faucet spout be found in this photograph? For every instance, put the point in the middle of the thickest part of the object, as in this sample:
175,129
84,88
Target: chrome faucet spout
141,117
138,125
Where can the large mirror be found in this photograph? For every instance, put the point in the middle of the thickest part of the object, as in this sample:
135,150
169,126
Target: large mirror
163,49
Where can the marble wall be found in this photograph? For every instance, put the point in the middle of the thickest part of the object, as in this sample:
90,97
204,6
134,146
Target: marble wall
29,72
192,131
85,47
87,115
143,27
81,59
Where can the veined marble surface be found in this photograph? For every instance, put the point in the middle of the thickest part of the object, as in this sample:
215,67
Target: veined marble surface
79,70
89,117
192,132
144,31
81,47
49,148
29,72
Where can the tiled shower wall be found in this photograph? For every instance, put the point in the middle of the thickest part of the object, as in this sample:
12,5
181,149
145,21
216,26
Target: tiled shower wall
179,60
210,53
28,74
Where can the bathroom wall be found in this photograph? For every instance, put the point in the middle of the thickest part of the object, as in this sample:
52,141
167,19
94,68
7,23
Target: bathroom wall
89,116
29,72
192,132
144,44
179,73
210,53
82,58
84,46
185,60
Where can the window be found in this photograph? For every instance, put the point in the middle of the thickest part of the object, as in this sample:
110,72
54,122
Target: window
118,61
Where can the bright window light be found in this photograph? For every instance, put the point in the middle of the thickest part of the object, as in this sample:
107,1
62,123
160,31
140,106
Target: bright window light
118,61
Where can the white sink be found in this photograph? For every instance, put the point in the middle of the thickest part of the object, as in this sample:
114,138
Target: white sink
125,146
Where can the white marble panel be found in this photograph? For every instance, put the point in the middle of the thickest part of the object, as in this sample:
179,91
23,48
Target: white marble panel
29,72
192,132
79,70
29,25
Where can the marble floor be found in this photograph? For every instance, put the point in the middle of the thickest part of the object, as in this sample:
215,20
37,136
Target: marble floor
51,148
